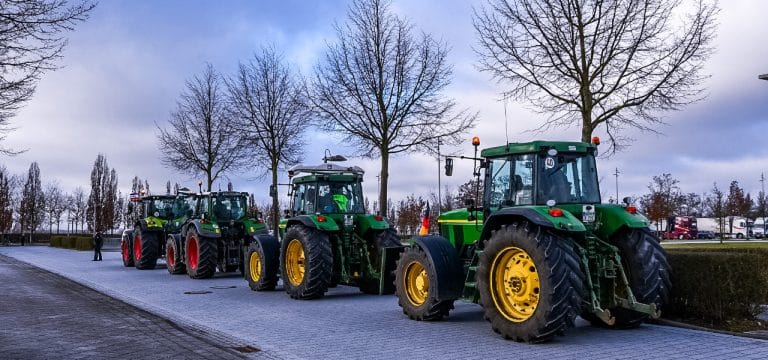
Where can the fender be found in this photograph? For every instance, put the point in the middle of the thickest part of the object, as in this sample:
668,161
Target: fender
449,273
614,217
535,214
369,222
207,230
312,222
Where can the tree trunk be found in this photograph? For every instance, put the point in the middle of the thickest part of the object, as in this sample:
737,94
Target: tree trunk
275,203
383,179
586,129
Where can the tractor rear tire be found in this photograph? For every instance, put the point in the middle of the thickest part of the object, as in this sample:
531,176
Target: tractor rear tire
530,283
125,250
306,262
146,249
383,239
171,253
200,254
263,260
646,266
416,286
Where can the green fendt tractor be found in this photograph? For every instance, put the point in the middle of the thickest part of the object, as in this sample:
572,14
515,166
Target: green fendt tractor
215,236
541,250
327,238
163,214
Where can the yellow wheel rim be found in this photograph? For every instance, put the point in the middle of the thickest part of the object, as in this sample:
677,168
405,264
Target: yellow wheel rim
416,283
294,262
515,286
255,266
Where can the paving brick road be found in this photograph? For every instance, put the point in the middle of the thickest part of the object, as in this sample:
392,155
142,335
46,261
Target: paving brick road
346,324
46,316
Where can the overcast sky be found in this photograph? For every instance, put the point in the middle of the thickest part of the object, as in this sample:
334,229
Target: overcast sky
125,68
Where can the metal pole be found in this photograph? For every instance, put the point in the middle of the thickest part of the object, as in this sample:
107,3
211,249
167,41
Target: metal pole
616,174
762,186
439,193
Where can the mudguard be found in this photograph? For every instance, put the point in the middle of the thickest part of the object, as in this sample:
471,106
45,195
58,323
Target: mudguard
448,269
535,214
369,222
207,230
614,217
311,221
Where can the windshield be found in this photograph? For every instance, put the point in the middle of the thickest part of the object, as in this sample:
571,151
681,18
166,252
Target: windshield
226,208
568,178
328,198
184,205
565,178
161,208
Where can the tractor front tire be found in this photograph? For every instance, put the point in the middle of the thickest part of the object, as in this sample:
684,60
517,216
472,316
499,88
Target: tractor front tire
263,263
306,262
125,250
530,283
146,249
416,286
200,254
171,253
382,239
648,272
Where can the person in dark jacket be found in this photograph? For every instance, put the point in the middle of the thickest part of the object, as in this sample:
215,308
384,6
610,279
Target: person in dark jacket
98,242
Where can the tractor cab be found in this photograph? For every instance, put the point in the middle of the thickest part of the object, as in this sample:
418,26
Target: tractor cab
159,206
540,172
326,189
225,206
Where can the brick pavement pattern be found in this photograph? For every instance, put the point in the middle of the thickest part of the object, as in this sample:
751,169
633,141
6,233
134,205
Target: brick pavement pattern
46,316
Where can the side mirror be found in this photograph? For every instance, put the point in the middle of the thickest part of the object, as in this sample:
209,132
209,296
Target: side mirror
469,202
448,166
287,213
272,191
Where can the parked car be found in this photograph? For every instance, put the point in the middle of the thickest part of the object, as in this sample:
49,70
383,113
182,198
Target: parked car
706,234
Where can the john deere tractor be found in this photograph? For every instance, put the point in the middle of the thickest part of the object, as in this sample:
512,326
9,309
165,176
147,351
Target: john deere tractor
541,250
327,238
163,215
216,236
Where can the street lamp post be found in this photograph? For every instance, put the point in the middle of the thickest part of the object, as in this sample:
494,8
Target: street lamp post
616,174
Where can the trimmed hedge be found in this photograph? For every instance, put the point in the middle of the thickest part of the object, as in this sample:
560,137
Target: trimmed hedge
72,242
717,284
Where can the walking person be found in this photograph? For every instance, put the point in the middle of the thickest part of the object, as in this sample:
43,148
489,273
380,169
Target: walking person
98,242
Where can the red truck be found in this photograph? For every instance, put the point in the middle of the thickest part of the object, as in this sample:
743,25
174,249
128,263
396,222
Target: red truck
680,227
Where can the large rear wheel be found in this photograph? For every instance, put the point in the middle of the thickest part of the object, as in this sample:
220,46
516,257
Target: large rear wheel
416,286
200,255
647,269
306,262
530,283
146,248
174,266
263,263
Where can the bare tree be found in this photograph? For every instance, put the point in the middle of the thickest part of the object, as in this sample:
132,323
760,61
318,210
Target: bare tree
6,201
100,212
664,200
55,205
77,207
612,63
202,138
31,41
31,208
715,203
382,87
271,104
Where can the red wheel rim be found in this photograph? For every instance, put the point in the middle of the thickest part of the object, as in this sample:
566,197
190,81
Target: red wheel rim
137,247
192,252
124,248
170,256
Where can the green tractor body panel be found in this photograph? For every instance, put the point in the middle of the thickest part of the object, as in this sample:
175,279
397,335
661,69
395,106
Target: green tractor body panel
459,227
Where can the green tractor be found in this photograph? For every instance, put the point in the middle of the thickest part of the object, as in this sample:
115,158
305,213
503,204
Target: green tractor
142,246
215,236
327,238
540,251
